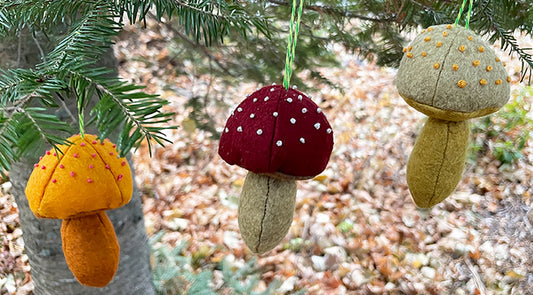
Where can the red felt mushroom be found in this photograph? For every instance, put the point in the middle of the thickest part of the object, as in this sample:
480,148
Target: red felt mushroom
280,136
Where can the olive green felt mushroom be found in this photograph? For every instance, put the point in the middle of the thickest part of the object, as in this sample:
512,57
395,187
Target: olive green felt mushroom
451,75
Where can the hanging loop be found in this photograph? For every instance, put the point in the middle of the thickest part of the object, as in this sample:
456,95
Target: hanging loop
291,44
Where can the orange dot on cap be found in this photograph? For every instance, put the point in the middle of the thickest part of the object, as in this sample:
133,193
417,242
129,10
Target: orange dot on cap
475,63
428,38
424,54
436,66
430,29
483,82
497,59
449,27
409,54
404,49
498,82
424,30
462,48
461,83
481,49
445,34
489,68
509,79
455,67
439,44
470,38
410,48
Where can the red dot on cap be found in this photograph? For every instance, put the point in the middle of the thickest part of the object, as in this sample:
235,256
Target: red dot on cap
107,166
89,180
48,152
72,173
54,180
61,166
75,155
93,155
91,166
43,167
94,141
111,153
120,177
36,165
82,144
123,163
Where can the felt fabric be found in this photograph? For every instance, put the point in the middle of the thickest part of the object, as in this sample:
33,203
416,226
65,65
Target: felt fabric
437,161
266,207
275,130
86,177
447,114
91,249
451,68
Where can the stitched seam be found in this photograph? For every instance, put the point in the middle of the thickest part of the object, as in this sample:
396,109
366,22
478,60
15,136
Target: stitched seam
442,69
442,162
264,214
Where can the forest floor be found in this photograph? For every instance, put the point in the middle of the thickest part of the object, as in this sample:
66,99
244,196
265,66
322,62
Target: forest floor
356,229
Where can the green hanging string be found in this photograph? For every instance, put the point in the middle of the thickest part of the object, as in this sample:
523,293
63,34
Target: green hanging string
80,118
291,45
467,16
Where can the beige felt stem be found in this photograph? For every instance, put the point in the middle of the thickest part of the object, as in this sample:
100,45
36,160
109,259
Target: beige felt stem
91,249
436,164
266,209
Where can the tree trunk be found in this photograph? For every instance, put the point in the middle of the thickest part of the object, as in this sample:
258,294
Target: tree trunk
42,237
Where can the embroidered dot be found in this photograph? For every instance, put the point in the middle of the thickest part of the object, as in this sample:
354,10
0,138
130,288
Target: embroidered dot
289,100
404,49
114,146
72,173
424,30
483,82
449,27
239,110
424,54
409,55
481,48
319,110
461,83
476,63
91,166
436,66
272,89
497,59
36,165
123,163
489,68
504,64
107,166
111,153
430,29
509,79
410,48
54,180
329,130
304,110
317,126
273,83
293,121
226,130
427,39
48,153
275,114
455,67
279,143
94,141
439,44
61,166
82,144
247,95
255,100
239,129
89,180
300,97
76,155
498,82
252,116
93,155
259,131
462,48
40,158
266,98
302,140
55,155
445,34
43,167
120,177
470,38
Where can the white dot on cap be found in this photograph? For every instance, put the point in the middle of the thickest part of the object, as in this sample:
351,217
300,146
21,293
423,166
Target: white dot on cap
319,110
273,83
266,98
247,94
294,87
289,100
227,130
279,143
300,97
239,129
302,140
293,121
317,126
272,89
252,116
239,110
329,130
255,99
275,114
259,131
304,110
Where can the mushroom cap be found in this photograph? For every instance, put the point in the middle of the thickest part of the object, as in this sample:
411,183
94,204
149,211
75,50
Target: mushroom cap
279,132
450,73
86,177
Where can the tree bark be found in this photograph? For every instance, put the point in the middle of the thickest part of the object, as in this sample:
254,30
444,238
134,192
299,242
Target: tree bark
42,237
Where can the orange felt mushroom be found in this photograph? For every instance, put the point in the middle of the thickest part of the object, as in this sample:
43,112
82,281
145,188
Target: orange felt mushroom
78,185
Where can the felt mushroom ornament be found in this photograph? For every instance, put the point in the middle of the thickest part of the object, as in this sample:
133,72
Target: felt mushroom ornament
77,185
451,75
280,136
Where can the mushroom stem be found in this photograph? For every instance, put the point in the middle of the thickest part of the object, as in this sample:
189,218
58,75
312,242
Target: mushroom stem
91,248
266,208
437,161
